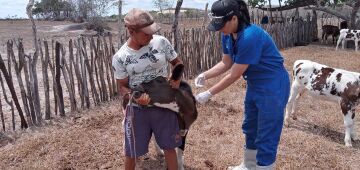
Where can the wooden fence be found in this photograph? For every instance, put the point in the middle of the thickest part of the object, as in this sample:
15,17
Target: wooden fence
77,74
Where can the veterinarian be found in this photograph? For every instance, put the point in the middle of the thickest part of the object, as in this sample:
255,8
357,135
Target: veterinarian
142,58
250,52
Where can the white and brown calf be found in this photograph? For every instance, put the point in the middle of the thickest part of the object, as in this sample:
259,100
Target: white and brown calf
346,35
330,84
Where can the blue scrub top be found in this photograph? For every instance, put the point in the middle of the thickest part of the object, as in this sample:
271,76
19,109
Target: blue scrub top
255,47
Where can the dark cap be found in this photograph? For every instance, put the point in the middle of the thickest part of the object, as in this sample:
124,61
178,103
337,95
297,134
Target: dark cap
221,10
138,19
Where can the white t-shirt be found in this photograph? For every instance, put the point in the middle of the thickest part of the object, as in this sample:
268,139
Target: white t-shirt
145,64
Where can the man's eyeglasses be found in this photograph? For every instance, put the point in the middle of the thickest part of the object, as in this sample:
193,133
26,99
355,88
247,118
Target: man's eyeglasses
219,19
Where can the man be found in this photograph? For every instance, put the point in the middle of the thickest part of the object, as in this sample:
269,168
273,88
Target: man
142,58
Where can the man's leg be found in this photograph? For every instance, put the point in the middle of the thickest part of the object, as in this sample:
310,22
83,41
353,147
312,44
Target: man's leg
171,159
129,163
166,131
137,134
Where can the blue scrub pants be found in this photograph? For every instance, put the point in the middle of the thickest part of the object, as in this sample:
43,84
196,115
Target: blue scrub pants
264,116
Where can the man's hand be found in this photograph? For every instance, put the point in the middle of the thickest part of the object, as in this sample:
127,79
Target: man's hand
144,99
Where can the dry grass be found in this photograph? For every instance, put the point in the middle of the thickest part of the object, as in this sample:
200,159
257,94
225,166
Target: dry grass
92,139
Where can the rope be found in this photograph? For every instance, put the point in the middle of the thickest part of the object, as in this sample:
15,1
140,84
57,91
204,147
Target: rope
129,126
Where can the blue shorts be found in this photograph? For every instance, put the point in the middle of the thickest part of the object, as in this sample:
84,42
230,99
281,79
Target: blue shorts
141,122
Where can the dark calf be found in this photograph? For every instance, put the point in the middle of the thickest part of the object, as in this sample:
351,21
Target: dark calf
332,30
181,101
163,95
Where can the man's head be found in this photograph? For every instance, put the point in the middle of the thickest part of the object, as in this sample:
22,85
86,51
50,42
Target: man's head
228,16
141,25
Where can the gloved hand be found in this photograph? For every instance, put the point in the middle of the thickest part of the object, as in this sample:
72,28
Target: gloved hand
203,97
200,80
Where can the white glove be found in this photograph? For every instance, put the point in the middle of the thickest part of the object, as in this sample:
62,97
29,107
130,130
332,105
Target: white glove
200,80
203,97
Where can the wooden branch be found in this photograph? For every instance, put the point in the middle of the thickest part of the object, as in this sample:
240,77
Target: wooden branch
11,56
59,92
175,26
32,66
205,17
76,64
90,69
108,67
65,69
51,63
83,71
120,22
96,63
330,11
10,103
112,53
70,71
34,87
13,93
1,110
45,65
101,69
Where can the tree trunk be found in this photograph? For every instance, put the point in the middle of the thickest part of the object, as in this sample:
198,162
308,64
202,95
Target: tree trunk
33,74
353,15
121,27
281,14
271,17
10,84
315,25
205,17
175,26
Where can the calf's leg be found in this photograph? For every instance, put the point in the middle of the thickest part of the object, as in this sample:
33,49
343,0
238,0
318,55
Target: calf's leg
295,93
348,123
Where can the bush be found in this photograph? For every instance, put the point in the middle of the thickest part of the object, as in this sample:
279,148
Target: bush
97,24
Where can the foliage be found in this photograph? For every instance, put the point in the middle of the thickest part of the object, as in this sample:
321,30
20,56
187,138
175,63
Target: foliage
163,4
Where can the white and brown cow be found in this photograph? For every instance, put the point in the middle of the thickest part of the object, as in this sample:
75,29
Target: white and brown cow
346,35
327,83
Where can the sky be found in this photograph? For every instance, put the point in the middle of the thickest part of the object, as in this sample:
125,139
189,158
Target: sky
12,8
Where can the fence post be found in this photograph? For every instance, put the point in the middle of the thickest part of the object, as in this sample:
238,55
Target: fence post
59,93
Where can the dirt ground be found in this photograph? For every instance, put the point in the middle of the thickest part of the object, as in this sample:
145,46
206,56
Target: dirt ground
93,138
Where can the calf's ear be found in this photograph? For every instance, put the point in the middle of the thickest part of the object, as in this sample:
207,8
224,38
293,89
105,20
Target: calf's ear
177,72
